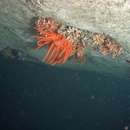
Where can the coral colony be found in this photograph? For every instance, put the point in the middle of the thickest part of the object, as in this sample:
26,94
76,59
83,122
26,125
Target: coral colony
65,42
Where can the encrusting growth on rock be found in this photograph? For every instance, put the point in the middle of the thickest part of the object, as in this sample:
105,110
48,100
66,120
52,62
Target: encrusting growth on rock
65,42
106,45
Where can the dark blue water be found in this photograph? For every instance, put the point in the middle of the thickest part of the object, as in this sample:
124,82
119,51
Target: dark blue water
39,97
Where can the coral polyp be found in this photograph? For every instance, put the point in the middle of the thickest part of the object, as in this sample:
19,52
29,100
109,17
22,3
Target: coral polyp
59,48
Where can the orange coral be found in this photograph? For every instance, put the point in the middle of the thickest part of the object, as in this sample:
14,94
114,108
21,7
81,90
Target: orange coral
59,48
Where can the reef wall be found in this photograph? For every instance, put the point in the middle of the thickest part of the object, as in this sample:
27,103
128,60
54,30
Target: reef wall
109,16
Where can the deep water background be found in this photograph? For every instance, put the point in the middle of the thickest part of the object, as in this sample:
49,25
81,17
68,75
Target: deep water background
40,97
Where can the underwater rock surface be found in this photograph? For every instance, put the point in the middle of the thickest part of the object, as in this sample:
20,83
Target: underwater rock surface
110,16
